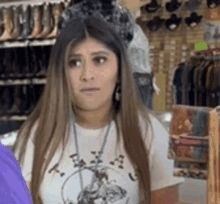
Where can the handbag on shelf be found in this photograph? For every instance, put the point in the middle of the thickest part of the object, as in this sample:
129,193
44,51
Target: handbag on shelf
189,141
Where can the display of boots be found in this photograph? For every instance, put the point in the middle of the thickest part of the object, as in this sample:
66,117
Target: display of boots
37,19
26,21
16,18
57,10
8,24
15,109
47,21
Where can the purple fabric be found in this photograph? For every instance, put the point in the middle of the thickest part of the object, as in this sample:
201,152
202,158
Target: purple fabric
13,188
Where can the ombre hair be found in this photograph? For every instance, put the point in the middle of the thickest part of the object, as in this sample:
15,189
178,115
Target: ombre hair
53,113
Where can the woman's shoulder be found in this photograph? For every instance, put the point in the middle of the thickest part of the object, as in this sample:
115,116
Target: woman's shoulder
153,123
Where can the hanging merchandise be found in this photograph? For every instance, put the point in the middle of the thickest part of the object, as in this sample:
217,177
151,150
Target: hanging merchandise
193,4
193,20
173,5
212,30
173,22
152,7
155,23
212,3
196,82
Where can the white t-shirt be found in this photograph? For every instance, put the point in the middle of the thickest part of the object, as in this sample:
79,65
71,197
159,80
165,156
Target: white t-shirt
115,182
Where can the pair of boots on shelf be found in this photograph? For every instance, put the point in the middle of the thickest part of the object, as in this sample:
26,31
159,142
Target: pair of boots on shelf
19,100
30,22
25,62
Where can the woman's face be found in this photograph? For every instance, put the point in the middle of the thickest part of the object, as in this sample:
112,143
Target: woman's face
91,64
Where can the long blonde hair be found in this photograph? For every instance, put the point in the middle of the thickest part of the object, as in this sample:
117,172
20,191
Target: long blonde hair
53,111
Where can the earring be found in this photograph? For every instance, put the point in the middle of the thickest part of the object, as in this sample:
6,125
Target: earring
118,93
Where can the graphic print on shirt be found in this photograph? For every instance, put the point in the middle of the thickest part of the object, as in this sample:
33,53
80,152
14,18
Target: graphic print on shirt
105,189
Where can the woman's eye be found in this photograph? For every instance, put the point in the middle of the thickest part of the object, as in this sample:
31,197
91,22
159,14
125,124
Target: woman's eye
74,63
100,60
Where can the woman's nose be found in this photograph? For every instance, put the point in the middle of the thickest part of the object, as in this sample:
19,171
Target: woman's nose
87,72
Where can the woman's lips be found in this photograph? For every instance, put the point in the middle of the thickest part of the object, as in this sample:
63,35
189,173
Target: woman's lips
89,90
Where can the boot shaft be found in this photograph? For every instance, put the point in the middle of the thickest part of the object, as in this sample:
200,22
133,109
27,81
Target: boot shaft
17,21
8,18
26,21
37,19
46,21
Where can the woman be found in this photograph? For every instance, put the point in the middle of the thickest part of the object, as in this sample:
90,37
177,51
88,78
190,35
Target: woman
13,188
93,146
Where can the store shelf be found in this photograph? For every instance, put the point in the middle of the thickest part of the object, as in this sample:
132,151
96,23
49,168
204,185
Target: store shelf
13,118
25,43
11,82
32,2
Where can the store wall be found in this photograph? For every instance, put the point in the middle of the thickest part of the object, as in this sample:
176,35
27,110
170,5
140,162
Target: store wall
169,48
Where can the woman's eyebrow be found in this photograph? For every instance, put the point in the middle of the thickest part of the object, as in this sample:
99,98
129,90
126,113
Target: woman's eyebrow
94,53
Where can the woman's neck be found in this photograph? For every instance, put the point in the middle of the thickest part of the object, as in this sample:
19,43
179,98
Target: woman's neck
93,120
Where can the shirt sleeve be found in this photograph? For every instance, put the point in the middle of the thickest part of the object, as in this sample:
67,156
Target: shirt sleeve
161,167
26,168
13,188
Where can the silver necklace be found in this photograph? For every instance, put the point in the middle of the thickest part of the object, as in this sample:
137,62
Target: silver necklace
99,155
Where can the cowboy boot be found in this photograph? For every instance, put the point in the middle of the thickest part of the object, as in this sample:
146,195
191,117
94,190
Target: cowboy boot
2,67
16,63
17,26
46,21
7,97
57,10
8,24
24,99
15,109
25,19
6,64
42,63
1,22
1,99
31,98
37,18
12,66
